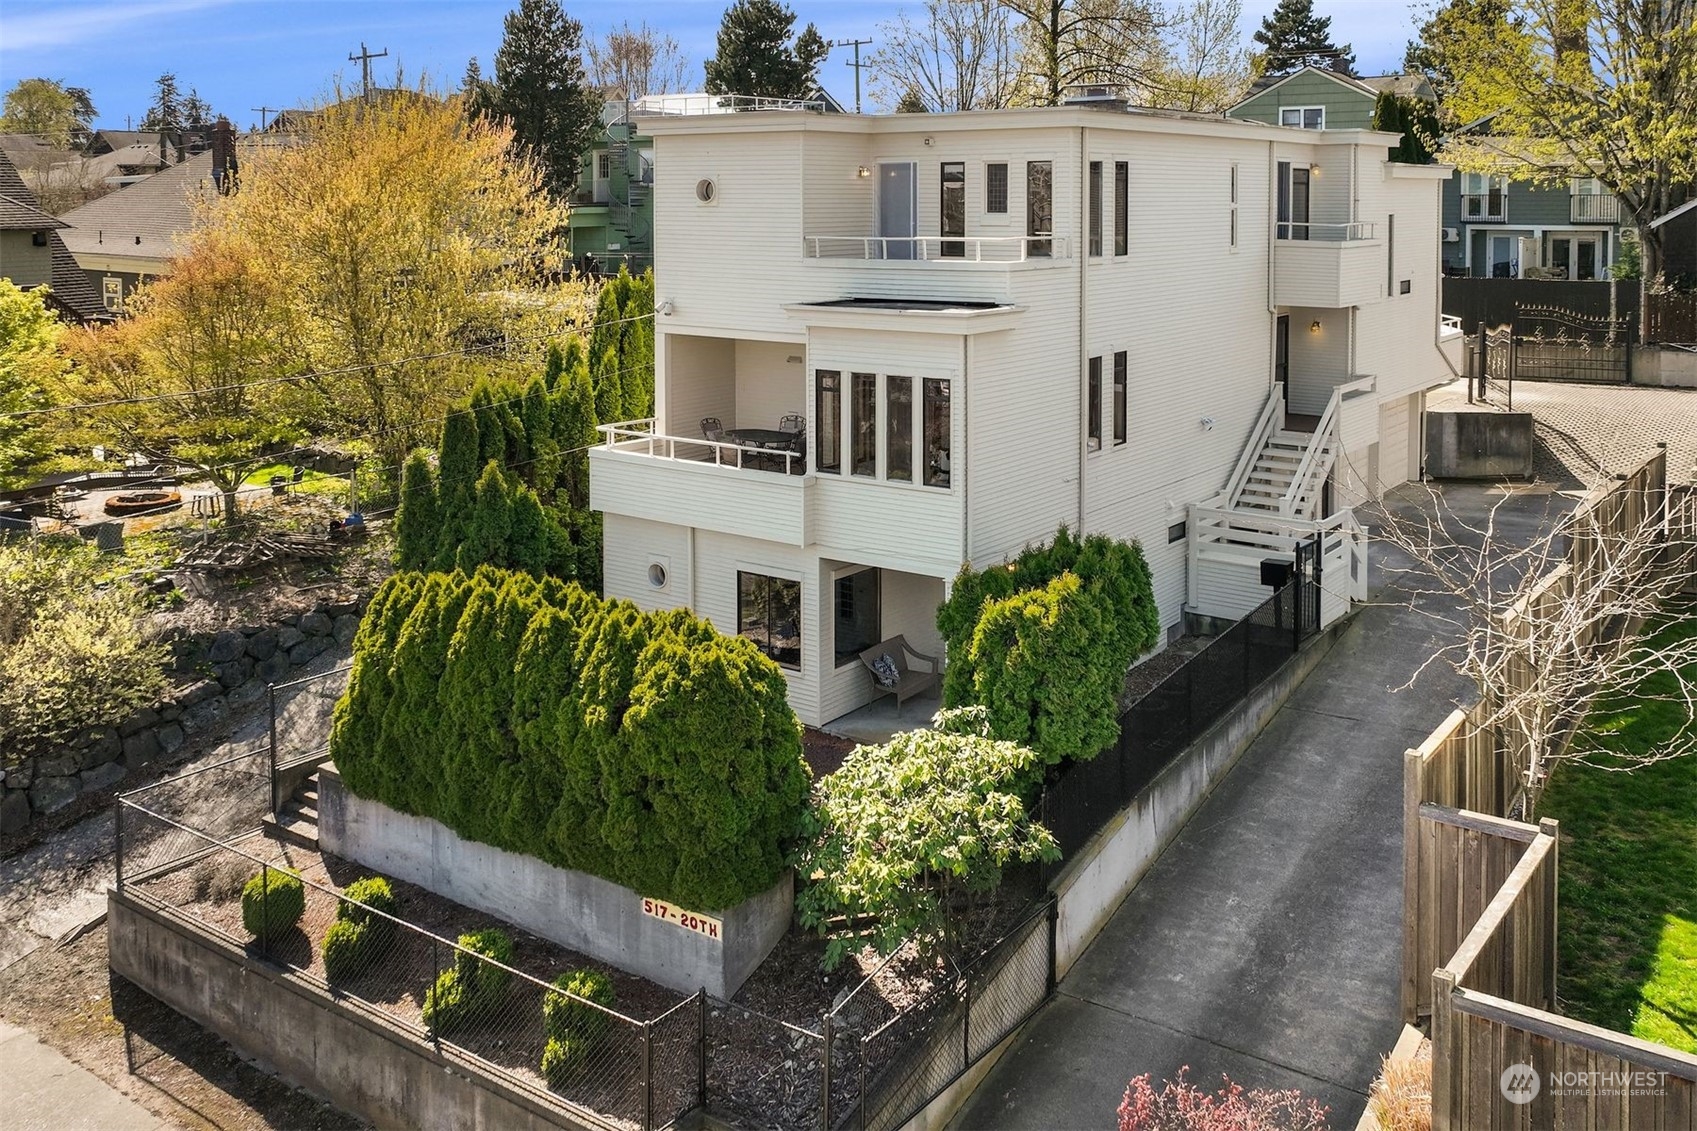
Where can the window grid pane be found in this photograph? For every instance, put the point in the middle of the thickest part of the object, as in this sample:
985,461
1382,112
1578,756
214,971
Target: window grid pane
936,424
857,616
1122,208
828,438
996,188
1094,409
1119,397
1095,208
1040,207
953,190
864,424
898,435
769,613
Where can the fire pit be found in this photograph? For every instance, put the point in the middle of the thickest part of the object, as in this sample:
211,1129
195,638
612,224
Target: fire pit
143,502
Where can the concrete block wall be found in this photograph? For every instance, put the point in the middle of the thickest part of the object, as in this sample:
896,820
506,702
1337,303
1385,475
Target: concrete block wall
219,674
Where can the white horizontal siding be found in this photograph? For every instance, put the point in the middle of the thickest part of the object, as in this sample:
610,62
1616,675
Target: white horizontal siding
696,378
754,504
896,526
629,546
1319,359
1393,442
1321,273
1229,588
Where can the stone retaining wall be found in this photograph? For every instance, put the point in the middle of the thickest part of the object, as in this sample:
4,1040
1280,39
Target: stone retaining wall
219,675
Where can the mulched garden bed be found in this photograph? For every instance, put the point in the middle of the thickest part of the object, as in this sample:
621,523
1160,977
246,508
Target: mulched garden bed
824,752
764,1046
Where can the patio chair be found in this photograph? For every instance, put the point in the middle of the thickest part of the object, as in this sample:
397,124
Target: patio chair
792,423
712,429
892,674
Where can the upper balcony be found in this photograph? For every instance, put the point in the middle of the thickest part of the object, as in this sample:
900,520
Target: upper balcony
1485,207
930,251
1329,265
1593,208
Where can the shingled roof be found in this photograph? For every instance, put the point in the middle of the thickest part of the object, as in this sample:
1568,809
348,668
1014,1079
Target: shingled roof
143,220
70,291
19,215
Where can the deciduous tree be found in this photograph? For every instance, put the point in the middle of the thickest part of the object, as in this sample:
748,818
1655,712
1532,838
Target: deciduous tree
541,88
58,113
630,62
1066,43
756,55
1206,69
1293,37
960,55
30,365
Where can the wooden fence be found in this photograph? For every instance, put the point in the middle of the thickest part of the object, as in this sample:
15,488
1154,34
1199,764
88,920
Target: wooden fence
1671,317
1500,1056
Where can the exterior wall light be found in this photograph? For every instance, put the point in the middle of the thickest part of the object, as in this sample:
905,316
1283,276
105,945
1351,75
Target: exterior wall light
863,171
1314,326
1314,171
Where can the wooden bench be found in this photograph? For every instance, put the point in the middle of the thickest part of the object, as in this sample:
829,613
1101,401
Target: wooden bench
910,681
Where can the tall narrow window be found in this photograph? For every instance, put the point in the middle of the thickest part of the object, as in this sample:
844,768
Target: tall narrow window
1040,207
856,608
898,429
863,423
1234,206
769,613
1390,256
1293,201
1119,397
828,408
996,188
1122,208
954,208
936,432
1093,410
1095,208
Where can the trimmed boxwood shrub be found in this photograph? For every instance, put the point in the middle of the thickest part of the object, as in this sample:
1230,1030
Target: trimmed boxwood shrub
272,902
1046,655
525,713
473,989
563,1017
355,941
562,1059
348,949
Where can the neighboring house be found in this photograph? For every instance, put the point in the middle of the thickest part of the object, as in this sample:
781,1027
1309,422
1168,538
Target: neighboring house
612,212
1314,98
1207,335
130,235
32,254
1679,244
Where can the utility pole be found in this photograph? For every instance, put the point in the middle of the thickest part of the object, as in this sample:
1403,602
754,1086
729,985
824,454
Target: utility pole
262,111
857,44
364,59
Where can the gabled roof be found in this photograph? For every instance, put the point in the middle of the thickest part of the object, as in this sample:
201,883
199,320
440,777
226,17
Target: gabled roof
70,291
142,220
19,215
1409,86
1404,86
1675,214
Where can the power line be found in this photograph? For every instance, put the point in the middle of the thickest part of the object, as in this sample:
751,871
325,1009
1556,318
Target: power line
857,44
364,59
311,375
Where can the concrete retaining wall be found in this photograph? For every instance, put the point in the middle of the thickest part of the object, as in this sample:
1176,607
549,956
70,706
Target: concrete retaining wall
1669,368
226,672
1105,870
1479,445
360,1061
586,913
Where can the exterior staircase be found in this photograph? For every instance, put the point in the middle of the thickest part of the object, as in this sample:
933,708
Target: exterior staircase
1267,487
296,822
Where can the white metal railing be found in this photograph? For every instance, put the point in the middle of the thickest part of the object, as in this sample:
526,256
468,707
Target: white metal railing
1449,325
680,105
639,436
937,249
1343,544
1593,208
1490,207
1322,451
1271,420
1326,233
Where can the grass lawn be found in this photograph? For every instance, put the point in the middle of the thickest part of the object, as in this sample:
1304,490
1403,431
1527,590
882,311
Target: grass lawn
1628,919
313,483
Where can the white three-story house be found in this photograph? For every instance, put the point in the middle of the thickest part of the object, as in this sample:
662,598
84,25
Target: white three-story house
886,346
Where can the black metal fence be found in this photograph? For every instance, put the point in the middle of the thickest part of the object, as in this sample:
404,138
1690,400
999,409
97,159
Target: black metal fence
1158,727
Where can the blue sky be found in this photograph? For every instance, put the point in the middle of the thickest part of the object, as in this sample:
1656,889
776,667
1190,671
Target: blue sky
241,54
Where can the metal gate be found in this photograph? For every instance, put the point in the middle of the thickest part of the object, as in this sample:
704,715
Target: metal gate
1552,343
1305,586
1496,363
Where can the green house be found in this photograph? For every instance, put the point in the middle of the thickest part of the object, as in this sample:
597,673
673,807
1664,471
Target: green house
1314,98
611,221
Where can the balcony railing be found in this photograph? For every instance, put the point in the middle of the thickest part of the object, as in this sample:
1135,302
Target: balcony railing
639,436
1326,233
1593,208
937,249
1485,207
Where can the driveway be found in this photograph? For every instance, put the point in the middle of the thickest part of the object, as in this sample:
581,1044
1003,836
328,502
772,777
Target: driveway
1265,943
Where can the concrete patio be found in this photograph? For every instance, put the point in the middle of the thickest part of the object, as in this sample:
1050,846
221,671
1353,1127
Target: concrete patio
880,719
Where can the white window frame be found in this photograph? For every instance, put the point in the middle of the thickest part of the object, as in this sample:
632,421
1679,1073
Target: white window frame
1235,182
1586,186
881,460
603,165
1302,113
1003,218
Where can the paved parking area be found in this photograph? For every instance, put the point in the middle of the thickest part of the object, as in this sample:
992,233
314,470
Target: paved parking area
1588,432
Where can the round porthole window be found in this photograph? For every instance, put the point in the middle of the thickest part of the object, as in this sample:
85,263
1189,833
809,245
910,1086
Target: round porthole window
705,190
657,575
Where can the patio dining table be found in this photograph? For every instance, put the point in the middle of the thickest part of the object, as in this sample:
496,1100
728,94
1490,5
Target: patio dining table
764,437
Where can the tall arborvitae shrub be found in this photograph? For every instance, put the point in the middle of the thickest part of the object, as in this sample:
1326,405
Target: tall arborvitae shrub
1113,579
418,522
641,747
489,526
609,392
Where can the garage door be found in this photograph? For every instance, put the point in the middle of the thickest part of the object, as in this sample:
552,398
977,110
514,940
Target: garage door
1393,443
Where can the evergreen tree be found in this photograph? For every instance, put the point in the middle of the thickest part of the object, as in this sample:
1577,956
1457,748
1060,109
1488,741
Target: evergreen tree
604,332
574,419
460,462
553,367
1293,37
1415,119
756,55
166,113
609,392
911,102
478,92
197,112
418,522
490,529
541,88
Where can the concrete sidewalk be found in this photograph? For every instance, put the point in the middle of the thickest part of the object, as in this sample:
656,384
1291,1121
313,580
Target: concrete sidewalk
1265,943
41,1090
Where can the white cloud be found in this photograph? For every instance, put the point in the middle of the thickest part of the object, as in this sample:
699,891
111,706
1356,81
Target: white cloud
66,24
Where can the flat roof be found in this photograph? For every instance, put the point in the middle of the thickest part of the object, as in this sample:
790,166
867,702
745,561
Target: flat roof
914,305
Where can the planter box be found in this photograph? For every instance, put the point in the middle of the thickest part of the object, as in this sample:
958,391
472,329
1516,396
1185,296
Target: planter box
676,947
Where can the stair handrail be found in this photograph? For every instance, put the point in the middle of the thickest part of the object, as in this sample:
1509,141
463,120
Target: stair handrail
1272,419
1323,431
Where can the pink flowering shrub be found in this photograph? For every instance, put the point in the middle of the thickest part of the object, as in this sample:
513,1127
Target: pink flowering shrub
1180,1105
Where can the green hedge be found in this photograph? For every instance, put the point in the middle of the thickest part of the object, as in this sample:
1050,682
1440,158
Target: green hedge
1044,641
521,712
272,902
